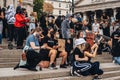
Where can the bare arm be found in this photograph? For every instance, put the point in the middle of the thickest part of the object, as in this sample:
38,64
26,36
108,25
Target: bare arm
80,59
2,15
32,44
88,54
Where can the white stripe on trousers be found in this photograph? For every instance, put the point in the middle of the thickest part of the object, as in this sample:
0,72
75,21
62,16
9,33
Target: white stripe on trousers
84,66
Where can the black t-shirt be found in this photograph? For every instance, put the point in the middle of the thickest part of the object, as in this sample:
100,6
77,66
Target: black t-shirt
50,41
58,23
55,42
115,44
115,34
104,17
78,52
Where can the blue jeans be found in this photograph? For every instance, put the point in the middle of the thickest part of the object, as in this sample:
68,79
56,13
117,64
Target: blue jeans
117,60
0,38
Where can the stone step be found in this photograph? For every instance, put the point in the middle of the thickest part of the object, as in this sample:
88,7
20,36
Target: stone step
80,78
24,74
5,53
111,74
103,61
4,60
13,56
70,78
5,44
109,66
8,64
11,62
112,78
104,55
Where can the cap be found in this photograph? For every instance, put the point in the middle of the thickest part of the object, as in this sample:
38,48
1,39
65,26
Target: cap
79,41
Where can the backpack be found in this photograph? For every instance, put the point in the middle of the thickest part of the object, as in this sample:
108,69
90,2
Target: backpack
71,58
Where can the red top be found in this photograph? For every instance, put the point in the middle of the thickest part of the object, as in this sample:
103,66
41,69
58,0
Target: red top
20,20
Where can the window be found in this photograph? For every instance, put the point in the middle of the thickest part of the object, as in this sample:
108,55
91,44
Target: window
66,12
4,3
67,5
59,4
59,11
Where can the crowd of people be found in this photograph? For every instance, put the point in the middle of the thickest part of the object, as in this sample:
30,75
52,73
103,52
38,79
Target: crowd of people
83,38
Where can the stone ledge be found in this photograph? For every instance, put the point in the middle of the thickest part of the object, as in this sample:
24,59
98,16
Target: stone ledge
24,74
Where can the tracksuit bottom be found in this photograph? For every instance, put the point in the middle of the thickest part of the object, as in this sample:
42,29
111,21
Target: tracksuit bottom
87,68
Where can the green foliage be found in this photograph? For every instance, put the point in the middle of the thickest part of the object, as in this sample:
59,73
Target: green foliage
38,7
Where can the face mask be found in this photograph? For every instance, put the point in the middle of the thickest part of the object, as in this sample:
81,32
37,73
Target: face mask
37,35
57,36
51,32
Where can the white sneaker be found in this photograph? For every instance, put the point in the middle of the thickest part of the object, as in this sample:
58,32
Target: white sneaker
77,74
71,71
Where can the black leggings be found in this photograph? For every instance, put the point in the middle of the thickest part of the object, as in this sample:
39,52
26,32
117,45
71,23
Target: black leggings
33,58
95,69
20,36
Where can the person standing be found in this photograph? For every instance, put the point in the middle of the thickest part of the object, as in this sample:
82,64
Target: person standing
19,24
43,24
32,22
95,27
116,46
65,27
10,20
1,25
5,28
65,30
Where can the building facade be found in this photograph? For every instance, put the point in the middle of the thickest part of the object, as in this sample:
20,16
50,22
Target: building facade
96,7
61,7
28,4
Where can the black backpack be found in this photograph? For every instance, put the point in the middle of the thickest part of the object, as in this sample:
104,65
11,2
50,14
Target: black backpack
71,58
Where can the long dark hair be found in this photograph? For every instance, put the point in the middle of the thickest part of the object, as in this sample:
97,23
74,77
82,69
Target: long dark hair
87,47
19,10
78,34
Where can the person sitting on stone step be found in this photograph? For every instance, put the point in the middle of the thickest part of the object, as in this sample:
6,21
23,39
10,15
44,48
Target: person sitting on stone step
32,52
91,52
48,52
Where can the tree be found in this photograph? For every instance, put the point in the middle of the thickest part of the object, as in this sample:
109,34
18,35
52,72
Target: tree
38,6
48,8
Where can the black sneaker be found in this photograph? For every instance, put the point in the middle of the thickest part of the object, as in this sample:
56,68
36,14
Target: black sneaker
40,69
32,69
96,78
63,66
10,46
17,66
52,66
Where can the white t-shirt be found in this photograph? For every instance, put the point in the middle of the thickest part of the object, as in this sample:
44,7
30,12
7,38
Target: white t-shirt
95,27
